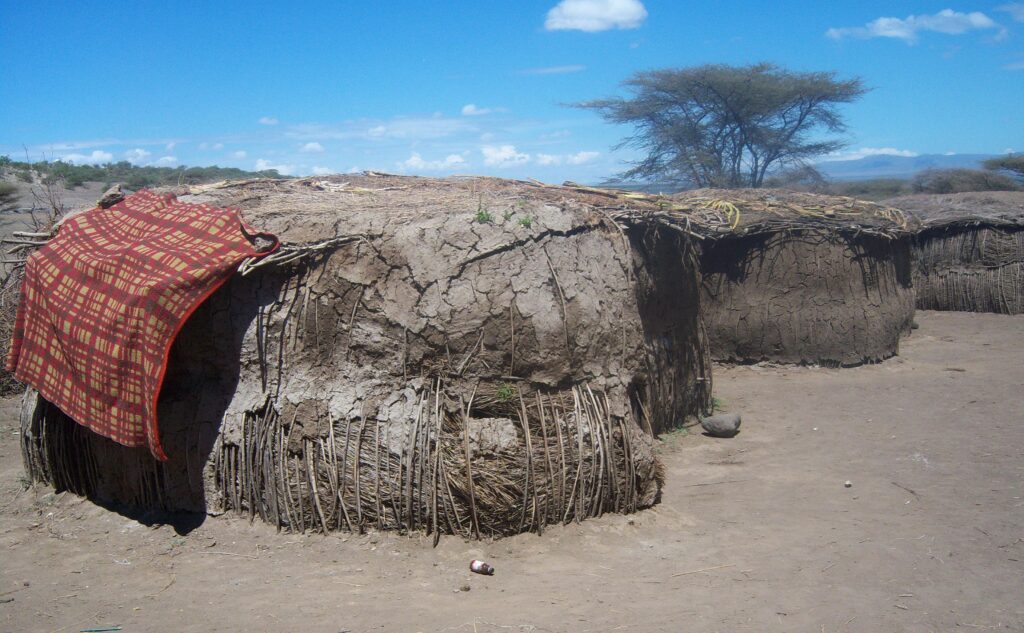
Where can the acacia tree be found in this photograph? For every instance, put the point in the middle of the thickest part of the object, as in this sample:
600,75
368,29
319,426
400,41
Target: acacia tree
727,126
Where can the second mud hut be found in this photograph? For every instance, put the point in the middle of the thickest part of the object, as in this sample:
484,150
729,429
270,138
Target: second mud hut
969,251
798,277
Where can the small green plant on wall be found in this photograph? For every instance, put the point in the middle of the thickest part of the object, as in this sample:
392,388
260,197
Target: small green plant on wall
506,392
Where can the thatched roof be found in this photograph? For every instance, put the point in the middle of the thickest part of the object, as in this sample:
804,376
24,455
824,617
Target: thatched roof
306,209
730,212
992,208
295,209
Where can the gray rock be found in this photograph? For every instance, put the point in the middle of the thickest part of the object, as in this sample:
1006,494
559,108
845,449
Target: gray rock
725,425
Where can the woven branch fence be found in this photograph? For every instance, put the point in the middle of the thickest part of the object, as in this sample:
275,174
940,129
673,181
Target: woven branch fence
975,269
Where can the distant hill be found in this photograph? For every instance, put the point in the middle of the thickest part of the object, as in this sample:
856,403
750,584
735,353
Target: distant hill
885,166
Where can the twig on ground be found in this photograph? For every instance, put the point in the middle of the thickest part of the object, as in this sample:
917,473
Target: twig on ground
230,554
697,571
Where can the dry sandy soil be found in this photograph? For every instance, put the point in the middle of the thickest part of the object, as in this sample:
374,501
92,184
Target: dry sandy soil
755,533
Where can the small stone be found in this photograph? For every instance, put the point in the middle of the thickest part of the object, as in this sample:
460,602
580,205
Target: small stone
111,197
848,484
465,588
725,425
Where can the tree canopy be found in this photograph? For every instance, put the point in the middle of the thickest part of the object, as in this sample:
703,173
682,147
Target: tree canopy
728,126
1013,163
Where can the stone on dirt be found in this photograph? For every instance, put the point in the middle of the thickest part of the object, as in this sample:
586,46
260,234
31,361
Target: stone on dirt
726,425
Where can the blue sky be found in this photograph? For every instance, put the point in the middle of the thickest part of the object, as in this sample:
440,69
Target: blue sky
472,87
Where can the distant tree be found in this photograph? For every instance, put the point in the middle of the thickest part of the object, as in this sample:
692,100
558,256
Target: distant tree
1013,163
727,126
799,178
872,189
960,180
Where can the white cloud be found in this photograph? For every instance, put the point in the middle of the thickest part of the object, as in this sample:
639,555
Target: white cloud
170,146
217,146
864,152
947,21
550,136
137,155
96,157
167,160
579,158
1015,9
241,154
470,109
312,148
283,169
1014,66
595,15
322,171
503,156
554,70
204,146
487,137
401,127
415,162
268,120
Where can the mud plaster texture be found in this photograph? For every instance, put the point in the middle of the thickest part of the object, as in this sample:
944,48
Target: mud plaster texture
488,357
807,296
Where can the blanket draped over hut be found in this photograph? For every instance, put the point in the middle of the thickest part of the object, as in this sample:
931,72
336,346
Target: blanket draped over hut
103,300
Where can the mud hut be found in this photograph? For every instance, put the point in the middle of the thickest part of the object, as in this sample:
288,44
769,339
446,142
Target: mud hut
470,355
969,251
799,277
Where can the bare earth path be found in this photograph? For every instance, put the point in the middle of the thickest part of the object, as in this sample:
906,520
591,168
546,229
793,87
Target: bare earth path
756,533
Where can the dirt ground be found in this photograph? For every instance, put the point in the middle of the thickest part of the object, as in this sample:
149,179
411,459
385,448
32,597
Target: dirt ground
755,533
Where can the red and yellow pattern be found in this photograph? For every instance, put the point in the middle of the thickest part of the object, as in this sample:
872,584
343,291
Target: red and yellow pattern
102,302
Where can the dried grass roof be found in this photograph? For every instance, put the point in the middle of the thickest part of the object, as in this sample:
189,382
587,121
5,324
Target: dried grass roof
303,210
749,211
993,208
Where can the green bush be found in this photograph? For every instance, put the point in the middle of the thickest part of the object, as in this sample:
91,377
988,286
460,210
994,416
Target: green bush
873,189
960,180
134,176
8,196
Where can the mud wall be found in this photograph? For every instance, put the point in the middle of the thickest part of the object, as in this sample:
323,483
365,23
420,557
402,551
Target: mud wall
441,375
806,297
970,268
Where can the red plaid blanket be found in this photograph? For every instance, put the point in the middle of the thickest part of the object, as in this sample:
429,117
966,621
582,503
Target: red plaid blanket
102,302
